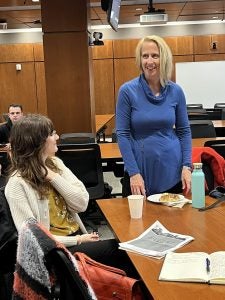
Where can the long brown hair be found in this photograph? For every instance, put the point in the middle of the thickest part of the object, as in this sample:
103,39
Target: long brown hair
27,138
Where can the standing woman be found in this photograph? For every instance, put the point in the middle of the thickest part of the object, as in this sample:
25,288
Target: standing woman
40,186
152,125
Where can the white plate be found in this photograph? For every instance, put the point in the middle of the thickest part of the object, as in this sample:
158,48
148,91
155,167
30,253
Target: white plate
155,198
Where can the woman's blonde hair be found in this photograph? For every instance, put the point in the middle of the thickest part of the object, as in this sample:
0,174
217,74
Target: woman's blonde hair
166,58
28,137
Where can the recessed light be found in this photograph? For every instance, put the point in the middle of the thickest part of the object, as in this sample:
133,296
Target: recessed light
138,9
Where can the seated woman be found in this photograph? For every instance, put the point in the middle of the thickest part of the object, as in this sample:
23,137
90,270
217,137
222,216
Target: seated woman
42,187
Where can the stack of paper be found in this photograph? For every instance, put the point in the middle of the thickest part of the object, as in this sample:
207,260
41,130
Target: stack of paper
156,241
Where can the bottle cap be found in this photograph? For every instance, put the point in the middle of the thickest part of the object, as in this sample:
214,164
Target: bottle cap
197,165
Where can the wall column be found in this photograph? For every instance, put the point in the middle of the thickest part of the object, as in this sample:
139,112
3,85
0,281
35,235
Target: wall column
68,65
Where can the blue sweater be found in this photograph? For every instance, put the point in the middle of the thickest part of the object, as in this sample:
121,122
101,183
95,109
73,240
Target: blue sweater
153,133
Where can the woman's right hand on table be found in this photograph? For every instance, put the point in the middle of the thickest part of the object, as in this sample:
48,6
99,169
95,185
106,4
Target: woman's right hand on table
137,185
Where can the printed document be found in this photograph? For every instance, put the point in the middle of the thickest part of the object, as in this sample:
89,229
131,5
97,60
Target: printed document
156,241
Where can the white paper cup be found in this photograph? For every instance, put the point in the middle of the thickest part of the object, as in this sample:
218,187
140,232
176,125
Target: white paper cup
135,206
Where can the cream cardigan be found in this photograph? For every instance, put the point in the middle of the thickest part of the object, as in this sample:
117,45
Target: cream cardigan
25,203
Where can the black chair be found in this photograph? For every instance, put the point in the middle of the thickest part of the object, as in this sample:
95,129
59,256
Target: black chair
202,129
51,259
69,284
219,105
84,160
209,176
4,161
194,105
118,166
197,114
218,146
214,113
77,138
223,114
8,247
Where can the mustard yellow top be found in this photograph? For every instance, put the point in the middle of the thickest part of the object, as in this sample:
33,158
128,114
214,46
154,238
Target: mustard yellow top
61,222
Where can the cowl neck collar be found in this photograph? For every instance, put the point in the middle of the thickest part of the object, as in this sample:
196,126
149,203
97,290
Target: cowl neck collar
148,93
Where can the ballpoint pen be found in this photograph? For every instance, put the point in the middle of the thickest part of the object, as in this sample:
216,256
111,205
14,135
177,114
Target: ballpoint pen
207,265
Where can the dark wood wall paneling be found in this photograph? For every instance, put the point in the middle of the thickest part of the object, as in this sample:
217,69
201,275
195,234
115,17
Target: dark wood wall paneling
20,86
104,89
67,65
113,64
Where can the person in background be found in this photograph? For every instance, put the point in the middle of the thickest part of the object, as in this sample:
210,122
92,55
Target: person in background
40,186
15,112
152,125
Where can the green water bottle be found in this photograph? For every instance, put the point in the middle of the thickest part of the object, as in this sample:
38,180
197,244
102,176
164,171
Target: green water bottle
198,186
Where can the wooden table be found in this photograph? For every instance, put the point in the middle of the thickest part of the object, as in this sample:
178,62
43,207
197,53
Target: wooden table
199,142
112,151
208,229
219,127
101,125
219,123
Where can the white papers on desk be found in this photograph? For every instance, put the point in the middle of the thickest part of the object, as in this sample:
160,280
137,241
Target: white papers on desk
156,241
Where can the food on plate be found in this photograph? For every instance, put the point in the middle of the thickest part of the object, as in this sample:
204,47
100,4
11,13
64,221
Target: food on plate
169,197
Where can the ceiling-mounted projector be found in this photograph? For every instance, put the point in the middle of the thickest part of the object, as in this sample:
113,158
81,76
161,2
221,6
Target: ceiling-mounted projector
153,18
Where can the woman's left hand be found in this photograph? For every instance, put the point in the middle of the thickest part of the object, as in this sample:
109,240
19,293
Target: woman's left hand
89,237
186,180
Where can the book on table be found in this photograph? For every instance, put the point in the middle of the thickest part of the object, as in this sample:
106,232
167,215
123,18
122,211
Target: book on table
194,267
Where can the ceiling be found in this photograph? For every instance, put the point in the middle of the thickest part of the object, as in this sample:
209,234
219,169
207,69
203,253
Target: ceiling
21,14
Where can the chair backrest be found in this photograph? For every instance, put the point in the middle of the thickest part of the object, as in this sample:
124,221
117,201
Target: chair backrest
114,136
197,114
51,271
4,161
209,176
69,284
8,236
8,247
223,114
214,113
218,146
84,160
194,105
219,105
77,138
202,129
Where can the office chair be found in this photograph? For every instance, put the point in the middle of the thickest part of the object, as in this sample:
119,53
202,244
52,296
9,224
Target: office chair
202,129
194,105
84,160
4,161
209,176
214,113
118,166
52,270
223,114
219,105
8,247
197,114
217,145
69,284
77,138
